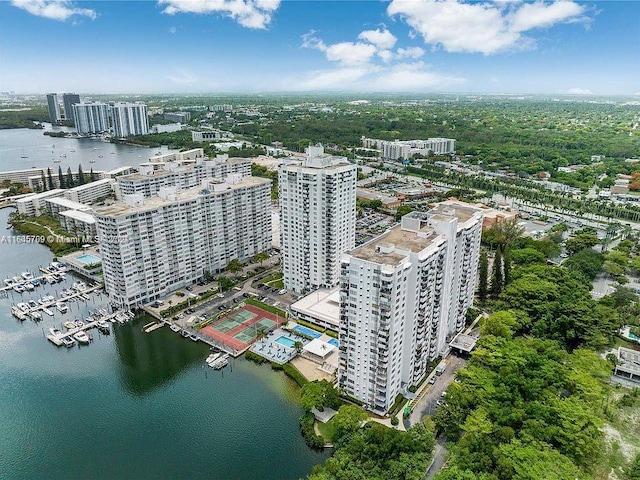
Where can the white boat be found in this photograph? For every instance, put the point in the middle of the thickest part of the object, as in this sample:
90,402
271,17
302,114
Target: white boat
50,279
29,286
9,282
18,288
221,363
81,337
47,311
55,331
23,306
102,325
19,314
175,328
37,316
212,358
32,303
79,323
194,337
69,325
62,308
27,275
68,342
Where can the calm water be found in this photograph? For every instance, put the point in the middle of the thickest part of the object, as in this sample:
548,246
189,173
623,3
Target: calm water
134,405
41,150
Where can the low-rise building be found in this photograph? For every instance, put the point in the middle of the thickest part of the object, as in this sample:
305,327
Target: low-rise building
180,117
79,223
322,308
91,192
210,135
34,205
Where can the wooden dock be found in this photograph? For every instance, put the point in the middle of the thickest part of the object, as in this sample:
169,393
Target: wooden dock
57,339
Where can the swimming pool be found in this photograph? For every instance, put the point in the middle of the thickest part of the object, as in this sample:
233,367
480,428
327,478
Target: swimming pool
88,259
307,331
287,342
334,342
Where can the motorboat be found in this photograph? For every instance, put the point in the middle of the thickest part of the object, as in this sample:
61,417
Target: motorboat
35,282
50,279
61,307
174,328
37,316
32,303
194,337
103,326
23,306
29,286
79,323
18,288
55,331
27,275
81,337
184,333
19,314
212,358
47,311
9,282
69,325
68,342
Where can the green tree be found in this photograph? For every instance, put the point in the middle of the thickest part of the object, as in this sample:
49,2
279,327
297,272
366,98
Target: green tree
61,181
234,266
43,181
92,176
69,183
586,262
50,179
225,283
526,256
80,175
500,324
348,420
260,257
319,394
483,273
375,204
506,265
496,277
580,242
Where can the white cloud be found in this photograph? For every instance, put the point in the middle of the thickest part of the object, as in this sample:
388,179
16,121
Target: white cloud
248,13
386,55
345,53
579,91
383,39
541,15
410,52
172,30
487,28
54,9
413,77
183,77
338,79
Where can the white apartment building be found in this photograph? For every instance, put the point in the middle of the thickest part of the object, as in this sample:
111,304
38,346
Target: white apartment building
54,107
34,205
129,119
403,150
210,135
403,297
90,192
153,246
149,180
318,216
91,117
22,176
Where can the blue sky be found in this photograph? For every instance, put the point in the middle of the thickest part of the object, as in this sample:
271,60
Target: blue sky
495,46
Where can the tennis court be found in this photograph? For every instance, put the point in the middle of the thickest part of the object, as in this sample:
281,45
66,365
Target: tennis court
238,329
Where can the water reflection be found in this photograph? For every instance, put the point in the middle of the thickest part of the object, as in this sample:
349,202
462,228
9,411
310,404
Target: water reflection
149,360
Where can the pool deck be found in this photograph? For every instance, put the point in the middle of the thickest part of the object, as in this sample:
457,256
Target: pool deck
274,351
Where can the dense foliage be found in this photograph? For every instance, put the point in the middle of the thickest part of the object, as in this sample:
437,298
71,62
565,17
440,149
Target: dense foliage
524,409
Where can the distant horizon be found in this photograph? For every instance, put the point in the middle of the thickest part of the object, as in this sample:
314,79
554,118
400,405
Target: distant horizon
553,47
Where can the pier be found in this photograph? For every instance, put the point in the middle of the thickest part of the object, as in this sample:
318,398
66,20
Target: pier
57,339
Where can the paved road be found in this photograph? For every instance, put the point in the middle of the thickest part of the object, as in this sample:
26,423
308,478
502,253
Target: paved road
427,404
439,458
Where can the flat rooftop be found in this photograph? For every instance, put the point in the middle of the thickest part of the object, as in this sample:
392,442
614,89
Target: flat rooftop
68,204
120,208
398,238
321,304
47,194
463,211
83,217
181,169
629,360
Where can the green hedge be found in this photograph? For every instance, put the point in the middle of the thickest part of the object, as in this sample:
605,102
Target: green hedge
397,404
314,441
312,326
295,374
254,357
266,307
276,366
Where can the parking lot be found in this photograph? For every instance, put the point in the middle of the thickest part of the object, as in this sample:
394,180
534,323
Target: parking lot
371,226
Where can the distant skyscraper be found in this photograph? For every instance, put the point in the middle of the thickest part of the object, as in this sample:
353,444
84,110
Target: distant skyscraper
318,217
129,119
68,99
91,117
54,107
403,297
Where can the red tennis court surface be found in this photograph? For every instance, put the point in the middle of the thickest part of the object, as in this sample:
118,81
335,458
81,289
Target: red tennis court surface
238,329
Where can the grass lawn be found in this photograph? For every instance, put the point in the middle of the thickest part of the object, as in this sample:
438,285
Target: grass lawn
327,430
272,277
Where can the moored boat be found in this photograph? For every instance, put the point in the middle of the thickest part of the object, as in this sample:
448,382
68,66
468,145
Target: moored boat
79,323
69,325
47,311
37,316
68,342
81,337
55,331
61,307
18,288
174,328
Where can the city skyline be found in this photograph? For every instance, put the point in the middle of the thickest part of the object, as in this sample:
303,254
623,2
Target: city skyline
560,47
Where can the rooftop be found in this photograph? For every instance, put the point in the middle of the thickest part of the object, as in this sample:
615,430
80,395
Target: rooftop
83,217
463,211
319,348
48,193
120,208
68,204
322,304
395,238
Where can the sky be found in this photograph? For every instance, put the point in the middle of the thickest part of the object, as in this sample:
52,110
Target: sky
215,46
